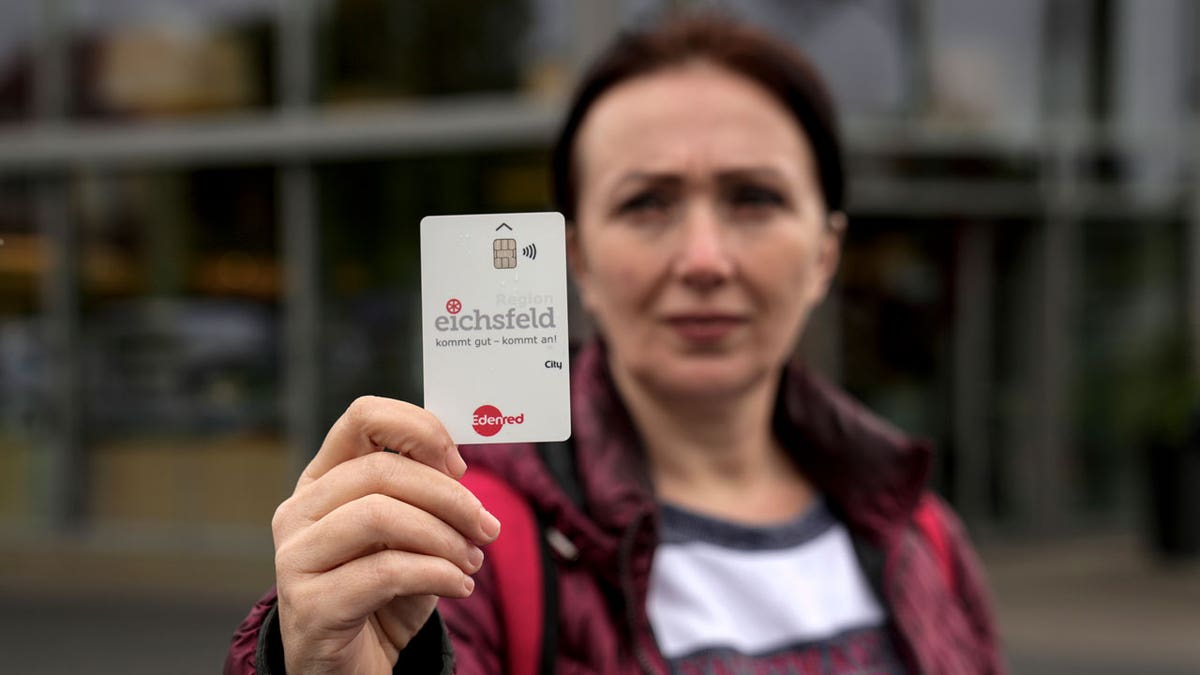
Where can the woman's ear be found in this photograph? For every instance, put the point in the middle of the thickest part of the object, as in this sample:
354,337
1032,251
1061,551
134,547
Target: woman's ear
577,264
830,251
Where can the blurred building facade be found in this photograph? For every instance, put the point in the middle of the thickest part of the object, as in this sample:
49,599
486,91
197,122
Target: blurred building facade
208,215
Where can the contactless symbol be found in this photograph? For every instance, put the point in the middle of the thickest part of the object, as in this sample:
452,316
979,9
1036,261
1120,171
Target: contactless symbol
453,306
530,251
504,254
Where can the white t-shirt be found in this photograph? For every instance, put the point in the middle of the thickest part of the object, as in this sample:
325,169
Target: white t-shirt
727,597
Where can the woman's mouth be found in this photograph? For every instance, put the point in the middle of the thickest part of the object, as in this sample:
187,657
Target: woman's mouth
705,328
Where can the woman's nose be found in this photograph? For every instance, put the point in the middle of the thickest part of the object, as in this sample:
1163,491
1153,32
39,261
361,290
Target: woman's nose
703,259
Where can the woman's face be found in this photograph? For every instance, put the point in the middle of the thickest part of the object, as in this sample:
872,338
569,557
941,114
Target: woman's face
701,243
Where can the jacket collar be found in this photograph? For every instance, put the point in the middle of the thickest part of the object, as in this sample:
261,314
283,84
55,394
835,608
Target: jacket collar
869,472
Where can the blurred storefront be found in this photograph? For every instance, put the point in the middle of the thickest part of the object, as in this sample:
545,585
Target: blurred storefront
208,215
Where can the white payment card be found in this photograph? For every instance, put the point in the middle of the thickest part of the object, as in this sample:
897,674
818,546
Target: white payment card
494,326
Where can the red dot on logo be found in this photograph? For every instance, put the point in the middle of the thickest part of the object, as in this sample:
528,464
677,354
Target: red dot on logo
487,420
453,306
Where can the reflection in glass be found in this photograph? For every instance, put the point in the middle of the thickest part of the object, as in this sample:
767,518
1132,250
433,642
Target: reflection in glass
22,359
894,284
180,341
1135,386
149,59
378,49
986,59
859,47
16,60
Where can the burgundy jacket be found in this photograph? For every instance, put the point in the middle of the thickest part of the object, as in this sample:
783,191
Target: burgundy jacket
871,476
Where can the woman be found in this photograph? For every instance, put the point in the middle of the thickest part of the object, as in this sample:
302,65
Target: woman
736,513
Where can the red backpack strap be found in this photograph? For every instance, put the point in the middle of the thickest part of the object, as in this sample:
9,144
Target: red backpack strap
515,559
929,521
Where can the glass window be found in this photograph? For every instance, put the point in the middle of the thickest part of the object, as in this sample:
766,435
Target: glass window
372,50
23,258
859,47
896,299
1153,59
986,64
17,52
1017,296
136,59
180,346
371,258
1134,377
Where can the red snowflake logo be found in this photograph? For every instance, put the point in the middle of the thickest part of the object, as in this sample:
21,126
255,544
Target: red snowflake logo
453,306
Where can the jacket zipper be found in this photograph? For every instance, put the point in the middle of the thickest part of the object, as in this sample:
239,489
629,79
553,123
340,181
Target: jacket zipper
625,570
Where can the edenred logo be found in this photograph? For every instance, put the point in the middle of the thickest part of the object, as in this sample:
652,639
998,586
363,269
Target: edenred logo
488,420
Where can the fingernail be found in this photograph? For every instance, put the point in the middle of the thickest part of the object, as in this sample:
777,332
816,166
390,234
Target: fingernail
475,557
469,584
456,463
489,524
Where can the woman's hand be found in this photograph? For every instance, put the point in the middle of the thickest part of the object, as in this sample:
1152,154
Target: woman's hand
370,539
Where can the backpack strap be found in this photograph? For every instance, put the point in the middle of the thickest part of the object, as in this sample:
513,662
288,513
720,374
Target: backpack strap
559,459
548,637
517,559
928,520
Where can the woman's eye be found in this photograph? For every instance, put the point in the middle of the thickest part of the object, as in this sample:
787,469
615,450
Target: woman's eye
644,203
752,196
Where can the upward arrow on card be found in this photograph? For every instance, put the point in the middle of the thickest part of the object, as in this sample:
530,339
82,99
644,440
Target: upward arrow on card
505,226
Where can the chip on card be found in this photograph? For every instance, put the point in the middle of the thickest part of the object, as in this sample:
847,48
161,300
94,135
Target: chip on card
494,326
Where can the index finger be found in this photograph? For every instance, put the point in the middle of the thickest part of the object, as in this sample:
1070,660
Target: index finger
373,423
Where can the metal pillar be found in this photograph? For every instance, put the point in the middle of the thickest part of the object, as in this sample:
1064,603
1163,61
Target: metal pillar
67,470
973,373
1192,295
914,17
302,353
1192,264
298,230
1045,453
67,475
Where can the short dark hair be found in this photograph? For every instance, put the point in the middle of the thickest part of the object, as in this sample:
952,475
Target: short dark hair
752,53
